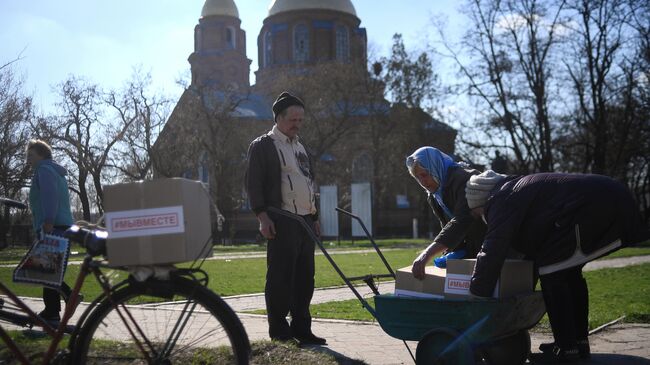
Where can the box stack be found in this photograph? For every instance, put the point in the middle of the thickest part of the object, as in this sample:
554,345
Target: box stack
453,282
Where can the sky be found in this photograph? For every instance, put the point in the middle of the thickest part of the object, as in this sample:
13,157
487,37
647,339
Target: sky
102,41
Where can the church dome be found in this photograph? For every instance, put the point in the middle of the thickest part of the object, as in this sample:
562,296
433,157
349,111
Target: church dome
280,6
220,7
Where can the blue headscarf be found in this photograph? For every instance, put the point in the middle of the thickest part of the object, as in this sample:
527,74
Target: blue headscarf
436,164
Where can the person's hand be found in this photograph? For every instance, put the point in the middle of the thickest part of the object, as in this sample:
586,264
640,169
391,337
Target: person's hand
419,264
267,228
48,227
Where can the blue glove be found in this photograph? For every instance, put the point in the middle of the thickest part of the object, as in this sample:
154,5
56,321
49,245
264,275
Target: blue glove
441,261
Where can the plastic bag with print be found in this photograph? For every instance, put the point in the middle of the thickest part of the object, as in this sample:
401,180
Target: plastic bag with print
45,262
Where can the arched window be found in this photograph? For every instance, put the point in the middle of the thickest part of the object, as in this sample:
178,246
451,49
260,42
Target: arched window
231,41
268,49
301,43
342,43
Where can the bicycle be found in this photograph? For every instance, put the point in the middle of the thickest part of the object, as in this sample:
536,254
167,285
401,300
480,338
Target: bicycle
163,319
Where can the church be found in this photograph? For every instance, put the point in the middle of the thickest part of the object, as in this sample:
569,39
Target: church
316,49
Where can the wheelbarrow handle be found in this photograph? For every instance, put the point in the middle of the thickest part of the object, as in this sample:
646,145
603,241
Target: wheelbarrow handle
318,242
372,241
346,213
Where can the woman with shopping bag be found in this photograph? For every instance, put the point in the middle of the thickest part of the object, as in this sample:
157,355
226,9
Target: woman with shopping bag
51,215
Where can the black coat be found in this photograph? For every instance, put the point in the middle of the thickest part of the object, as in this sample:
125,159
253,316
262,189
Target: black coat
463,230
537,216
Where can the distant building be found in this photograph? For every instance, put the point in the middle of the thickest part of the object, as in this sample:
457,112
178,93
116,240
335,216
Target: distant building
298,38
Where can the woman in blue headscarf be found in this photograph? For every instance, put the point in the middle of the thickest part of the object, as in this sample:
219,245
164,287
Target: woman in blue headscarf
444,182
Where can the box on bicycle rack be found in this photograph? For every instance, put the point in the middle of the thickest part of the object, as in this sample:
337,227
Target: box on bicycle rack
160,221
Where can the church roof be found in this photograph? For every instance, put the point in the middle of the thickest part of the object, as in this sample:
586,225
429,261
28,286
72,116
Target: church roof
220,7
251,105
281,6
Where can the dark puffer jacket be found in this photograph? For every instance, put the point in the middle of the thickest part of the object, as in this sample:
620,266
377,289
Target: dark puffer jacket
462,231
537,216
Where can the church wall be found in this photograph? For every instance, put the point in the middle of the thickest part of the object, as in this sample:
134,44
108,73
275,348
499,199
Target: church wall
214,64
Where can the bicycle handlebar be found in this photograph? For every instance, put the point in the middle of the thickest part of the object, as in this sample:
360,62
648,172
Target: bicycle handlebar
93,240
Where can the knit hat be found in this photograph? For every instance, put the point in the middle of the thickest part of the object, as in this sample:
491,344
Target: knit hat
284,101
478,188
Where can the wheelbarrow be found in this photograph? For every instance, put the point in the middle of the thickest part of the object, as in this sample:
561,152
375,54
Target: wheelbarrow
448,331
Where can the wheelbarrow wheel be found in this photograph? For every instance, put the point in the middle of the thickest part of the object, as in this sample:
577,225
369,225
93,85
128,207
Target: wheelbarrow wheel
511,350
443,346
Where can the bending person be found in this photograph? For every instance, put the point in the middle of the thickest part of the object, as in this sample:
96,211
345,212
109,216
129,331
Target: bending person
444,182
561,222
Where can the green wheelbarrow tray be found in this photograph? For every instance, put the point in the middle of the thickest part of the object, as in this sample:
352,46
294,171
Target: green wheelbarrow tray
480,321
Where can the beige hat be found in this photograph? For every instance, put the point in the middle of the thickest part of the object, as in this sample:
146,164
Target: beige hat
478,188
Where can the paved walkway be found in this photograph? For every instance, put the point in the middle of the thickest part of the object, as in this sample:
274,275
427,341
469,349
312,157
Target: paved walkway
621,344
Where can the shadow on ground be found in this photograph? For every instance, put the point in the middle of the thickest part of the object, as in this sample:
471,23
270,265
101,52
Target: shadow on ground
340,358
613,359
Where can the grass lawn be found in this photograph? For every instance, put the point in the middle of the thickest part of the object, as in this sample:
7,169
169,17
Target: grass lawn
334,244
613,293
638,250
13,254
244,276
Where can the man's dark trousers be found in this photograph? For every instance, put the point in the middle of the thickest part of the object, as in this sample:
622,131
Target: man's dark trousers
289,278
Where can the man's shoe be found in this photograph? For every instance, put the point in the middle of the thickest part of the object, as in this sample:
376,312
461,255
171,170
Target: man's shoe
50,317
583,348
311,339
557,356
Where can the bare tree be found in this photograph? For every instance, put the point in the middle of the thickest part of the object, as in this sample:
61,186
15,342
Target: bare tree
220,134
203,140
16,112
600,38
9,63
70,131
336,99
146,114
86,136
510,44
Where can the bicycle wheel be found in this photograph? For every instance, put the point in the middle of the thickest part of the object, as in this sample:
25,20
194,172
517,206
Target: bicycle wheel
165,322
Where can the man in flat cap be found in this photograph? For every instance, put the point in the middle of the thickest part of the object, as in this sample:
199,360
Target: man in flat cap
279,174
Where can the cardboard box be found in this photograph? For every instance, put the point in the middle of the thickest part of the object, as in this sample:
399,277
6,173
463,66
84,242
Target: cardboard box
160,221
432,286
516,278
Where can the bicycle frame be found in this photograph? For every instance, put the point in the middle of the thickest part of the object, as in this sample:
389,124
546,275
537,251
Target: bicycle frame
27,317
56,334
